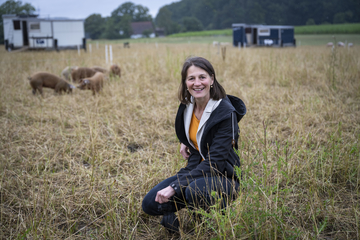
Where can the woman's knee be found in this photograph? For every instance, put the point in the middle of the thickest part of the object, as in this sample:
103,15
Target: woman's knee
149,205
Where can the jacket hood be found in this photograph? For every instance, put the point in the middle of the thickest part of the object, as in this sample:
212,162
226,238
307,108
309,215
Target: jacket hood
239,106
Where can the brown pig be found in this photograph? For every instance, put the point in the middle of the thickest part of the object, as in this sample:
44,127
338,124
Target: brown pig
48,80
94,83
115,70
81,73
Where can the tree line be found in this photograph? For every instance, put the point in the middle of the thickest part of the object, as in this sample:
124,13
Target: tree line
189,15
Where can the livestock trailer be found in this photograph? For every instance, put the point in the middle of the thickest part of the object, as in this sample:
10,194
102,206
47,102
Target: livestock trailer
29,31
262,35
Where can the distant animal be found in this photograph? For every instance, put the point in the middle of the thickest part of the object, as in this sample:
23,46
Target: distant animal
81,73
94,83
215,43
48,80
340,44
350,44
330,44
126,45
66,73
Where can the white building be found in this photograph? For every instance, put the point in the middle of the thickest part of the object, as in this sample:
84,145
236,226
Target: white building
41,33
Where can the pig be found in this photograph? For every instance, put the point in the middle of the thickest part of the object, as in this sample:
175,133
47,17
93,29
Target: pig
94,83
48,80
81,73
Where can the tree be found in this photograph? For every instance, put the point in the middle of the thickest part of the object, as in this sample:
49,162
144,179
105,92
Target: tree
138,13
13,7
141,14
118,25
310,21
192,24
163,20
94,26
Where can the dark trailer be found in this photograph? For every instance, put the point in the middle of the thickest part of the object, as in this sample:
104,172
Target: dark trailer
245,35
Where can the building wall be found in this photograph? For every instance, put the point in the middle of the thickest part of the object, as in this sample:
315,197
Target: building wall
69,33
274,36
42,35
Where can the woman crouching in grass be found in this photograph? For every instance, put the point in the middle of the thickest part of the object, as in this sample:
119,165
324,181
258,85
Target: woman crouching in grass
206,125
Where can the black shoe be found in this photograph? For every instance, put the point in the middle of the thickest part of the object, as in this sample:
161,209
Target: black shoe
170,222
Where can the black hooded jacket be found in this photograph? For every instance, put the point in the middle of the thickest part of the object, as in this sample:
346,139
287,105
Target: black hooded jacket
216,144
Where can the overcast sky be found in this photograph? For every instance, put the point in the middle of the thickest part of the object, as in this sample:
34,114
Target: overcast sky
81,9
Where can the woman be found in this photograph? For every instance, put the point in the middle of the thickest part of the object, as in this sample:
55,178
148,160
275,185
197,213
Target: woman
206,125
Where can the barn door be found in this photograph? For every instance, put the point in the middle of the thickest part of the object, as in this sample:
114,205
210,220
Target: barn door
25,34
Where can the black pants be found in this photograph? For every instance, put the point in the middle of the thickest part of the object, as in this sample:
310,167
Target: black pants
202,192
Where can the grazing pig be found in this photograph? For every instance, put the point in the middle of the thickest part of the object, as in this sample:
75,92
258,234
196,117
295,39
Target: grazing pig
100,69
48,80
115,70
94,83
81,73
66,73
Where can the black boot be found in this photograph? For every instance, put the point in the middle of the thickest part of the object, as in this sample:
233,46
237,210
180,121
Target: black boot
170,222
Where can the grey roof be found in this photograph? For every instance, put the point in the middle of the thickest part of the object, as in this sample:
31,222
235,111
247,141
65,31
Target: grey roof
260,25
140,27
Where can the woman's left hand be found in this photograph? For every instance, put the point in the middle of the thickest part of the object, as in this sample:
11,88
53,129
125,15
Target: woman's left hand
163,195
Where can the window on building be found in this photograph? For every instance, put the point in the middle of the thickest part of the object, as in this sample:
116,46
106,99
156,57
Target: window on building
17,25
34,26
264,32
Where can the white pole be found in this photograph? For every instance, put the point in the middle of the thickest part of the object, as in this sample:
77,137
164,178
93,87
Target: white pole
239,44
97,45
78,47
90,47
111,55
106,54
244,45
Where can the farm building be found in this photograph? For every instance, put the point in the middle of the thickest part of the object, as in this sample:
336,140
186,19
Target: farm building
29,31
262,35
142,29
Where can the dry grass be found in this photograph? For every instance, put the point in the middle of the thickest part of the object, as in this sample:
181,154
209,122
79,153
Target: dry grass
77,166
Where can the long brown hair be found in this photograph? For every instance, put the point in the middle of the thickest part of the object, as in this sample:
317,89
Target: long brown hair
216,92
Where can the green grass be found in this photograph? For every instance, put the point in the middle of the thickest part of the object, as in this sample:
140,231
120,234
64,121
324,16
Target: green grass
322,39
223,32
301,40
305,35
349,28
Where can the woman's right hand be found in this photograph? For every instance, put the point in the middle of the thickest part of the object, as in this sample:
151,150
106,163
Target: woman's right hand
184,150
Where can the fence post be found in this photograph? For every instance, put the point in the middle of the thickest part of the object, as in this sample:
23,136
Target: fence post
111,55
106,54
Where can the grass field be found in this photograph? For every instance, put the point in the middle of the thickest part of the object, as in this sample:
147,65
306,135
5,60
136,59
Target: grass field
77,166
348,28
301,40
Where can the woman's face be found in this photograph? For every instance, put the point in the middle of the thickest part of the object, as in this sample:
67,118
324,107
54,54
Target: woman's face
198,83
